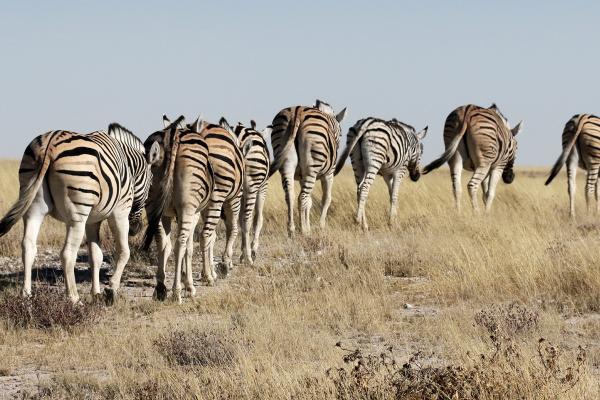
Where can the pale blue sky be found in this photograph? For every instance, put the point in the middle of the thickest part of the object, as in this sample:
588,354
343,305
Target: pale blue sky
80,66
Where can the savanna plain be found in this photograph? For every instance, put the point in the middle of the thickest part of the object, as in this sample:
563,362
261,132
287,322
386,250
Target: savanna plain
438,305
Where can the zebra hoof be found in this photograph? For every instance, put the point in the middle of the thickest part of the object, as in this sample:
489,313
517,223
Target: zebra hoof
160,292
177,296
191,291
110,296
223,269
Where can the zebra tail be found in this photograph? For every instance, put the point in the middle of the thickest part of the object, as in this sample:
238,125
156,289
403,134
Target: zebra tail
27,193
278,162
563,157
449,151
157,207
247,147
342,160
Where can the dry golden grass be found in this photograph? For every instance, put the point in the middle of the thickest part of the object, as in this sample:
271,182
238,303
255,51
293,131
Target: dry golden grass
273,328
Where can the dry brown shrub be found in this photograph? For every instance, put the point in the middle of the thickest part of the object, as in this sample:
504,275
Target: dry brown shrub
499,375
507,321
191,348
47,308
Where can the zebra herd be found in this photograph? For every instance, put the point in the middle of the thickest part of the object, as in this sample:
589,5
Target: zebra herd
204,172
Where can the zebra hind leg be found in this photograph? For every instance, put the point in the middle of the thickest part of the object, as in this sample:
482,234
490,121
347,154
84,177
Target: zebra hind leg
493,179
211,217
232,216
393,183
305,200
456,167
326,186
473,186
258,220
164,246
571,175
119,225
189,254
363,193
590,187
75,232
249,202
92,233
185,231
32,223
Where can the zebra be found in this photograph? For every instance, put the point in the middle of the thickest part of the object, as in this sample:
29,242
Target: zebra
387,148
82,180
182,184
305,142
257,162
480,140
227,163
581,145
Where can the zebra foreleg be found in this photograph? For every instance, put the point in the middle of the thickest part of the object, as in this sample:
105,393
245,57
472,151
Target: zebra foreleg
473,186
92,233
163,243
326,188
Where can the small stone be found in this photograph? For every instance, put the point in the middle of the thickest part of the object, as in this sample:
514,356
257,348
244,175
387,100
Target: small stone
408,306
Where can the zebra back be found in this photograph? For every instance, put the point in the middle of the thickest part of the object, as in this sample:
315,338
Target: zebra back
317,125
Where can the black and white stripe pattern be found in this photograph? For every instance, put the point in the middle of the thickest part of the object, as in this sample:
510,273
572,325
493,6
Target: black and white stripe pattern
257,162
480,140
183,183
386,148
305,142
82,180
581,146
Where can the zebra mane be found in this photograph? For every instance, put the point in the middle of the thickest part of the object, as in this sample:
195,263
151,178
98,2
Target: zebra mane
125,136
173,124
324,107
402,125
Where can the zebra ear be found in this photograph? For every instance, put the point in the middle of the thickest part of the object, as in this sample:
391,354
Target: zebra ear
421,135
166,121
515,131
341,115
153,155
197,125
225,125
267,131
253,124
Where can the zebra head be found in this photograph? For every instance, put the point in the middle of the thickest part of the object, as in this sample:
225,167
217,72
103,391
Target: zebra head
414,165
508,175
139,161
143,181
159,147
